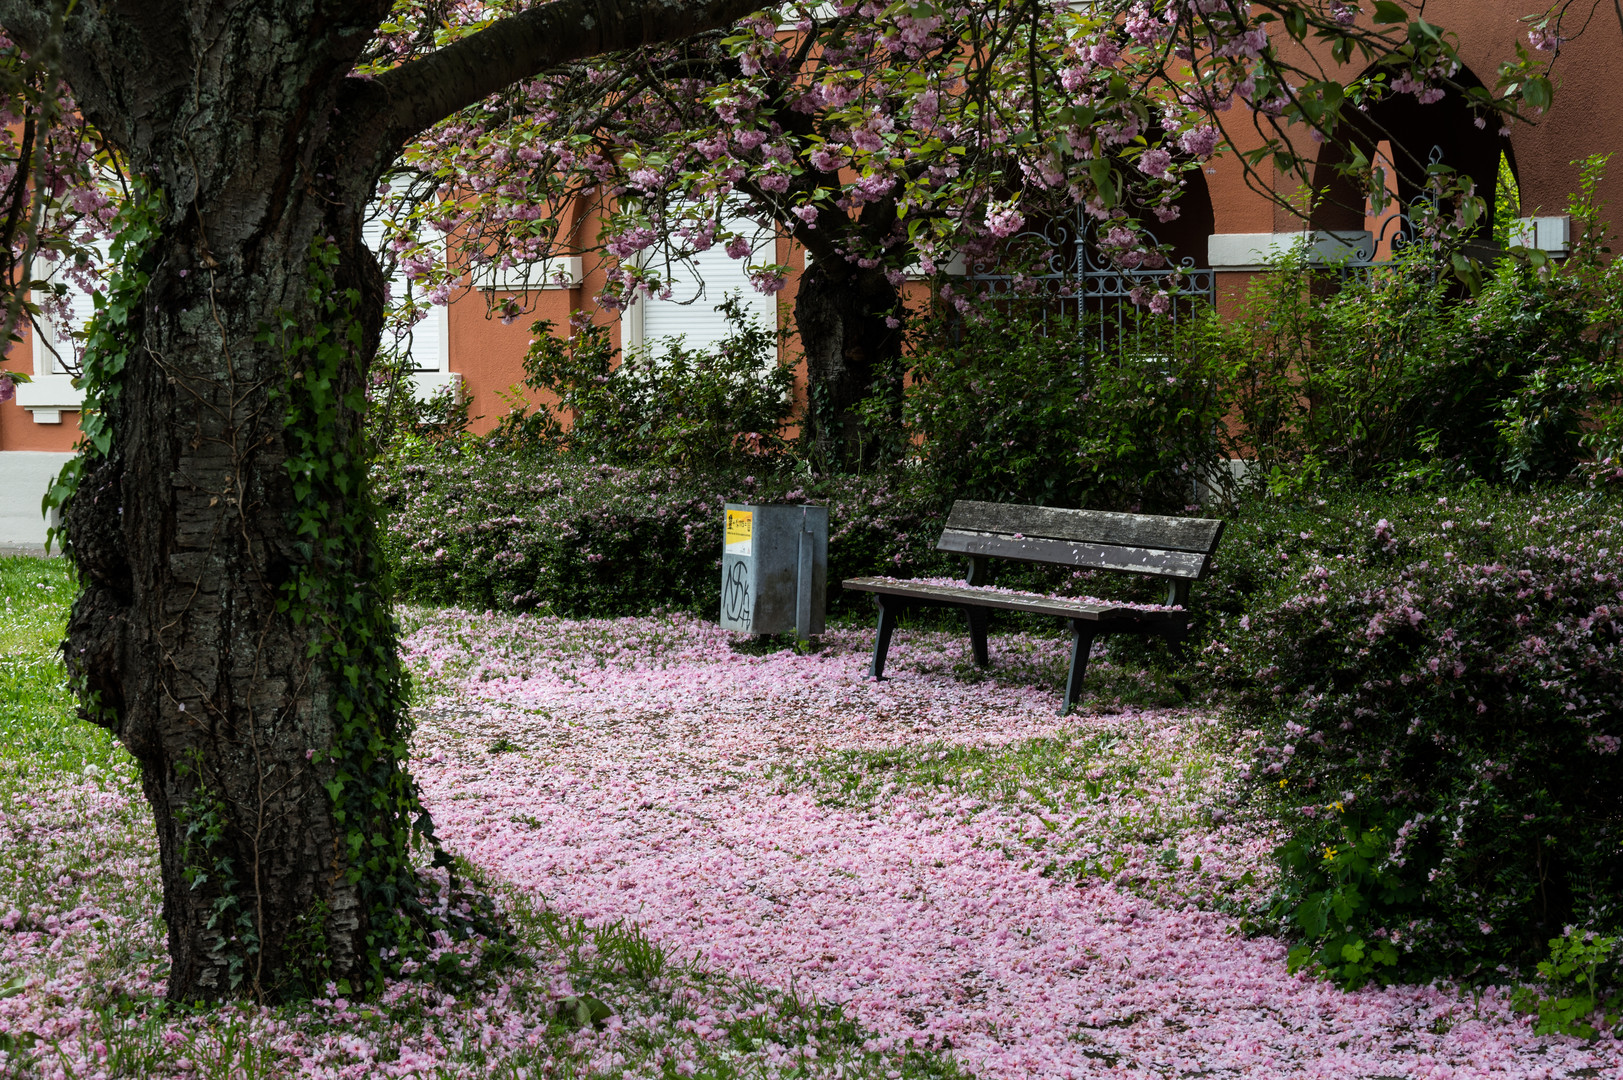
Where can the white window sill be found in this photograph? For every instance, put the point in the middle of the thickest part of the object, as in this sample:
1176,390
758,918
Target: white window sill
560,273
47,397
425,384
1257,251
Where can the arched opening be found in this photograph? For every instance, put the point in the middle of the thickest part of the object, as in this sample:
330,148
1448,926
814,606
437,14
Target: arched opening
1190,232
1407,137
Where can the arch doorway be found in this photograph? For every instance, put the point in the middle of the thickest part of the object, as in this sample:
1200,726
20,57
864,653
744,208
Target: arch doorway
1407,137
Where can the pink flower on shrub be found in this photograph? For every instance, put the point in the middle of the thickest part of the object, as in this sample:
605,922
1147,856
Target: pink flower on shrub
629,243
1003,221
823,161
1544,39
767,282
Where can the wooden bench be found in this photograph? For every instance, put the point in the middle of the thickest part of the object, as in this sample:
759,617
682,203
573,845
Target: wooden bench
1178,550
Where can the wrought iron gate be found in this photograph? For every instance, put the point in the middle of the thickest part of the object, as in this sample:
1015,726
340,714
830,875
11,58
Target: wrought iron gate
1109,304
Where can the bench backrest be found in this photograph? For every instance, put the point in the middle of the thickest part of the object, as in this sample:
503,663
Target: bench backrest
1168,547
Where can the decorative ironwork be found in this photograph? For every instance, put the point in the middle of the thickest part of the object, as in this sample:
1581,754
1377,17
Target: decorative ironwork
1108,302
1397,231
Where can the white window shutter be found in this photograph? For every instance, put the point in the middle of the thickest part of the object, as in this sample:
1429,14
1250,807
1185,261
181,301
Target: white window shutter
429,340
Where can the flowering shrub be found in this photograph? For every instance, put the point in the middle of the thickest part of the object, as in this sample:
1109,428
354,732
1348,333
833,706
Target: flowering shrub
1395,371
1437,685
492,527
1584,983
489,526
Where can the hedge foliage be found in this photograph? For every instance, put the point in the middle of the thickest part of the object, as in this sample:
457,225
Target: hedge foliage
1436,682
997,412
490,527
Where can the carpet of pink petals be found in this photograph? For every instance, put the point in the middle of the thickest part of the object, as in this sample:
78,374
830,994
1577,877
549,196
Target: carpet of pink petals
647,784
645,771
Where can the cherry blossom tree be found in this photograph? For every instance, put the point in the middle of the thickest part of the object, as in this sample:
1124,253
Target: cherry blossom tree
888,138
56,194
230,629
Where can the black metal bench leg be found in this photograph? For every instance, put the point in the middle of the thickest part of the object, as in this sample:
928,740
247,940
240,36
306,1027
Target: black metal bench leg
1182,655
1081,644
1178,646
881,643
977,634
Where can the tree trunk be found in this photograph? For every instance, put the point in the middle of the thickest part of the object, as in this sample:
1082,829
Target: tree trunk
218,583
851,353
229,629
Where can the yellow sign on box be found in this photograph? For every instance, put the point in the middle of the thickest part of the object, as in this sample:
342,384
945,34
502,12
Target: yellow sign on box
740,532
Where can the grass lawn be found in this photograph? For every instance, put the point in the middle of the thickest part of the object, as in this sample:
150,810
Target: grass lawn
731,865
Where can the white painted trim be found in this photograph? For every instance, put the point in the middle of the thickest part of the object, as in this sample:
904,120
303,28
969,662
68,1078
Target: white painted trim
1550,234
1255,251
954,267
25,476
530,277
425,384
47,395
631,328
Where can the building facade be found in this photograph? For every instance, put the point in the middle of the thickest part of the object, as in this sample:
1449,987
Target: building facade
1229,225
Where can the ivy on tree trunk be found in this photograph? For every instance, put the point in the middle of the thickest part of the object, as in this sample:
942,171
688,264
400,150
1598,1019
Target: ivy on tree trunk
233,627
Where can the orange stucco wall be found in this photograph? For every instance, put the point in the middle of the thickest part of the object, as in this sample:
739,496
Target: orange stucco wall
17,428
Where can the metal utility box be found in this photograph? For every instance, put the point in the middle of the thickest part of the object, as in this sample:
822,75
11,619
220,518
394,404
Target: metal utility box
774,568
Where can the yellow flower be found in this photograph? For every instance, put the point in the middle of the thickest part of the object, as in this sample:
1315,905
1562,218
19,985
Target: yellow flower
1329,853
1283,782
1338,807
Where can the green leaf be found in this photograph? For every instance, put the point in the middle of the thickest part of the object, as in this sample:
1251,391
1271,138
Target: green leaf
1537,92
1103,177
581,1010
1388,12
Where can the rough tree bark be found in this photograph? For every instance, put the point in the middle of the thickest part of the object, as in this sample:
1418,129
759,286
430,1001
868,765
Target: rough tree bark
851,352
186,641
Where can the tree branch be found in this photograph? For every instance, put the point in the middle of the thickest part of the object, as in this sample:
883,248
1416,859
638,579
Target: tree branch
419,94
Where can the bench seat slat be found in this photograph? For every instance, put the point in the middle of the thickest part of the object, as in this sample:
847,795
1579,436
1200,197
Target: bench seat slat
1198,535
1133,560
969,595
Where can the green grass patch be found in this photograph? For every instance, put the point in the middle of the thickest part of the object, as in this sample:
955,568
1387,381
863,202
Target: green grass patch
1133,804
38,728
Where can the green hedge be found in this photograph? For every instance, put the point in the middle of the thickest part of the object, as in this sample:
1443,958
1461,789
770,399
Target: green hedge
511,530
492,527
